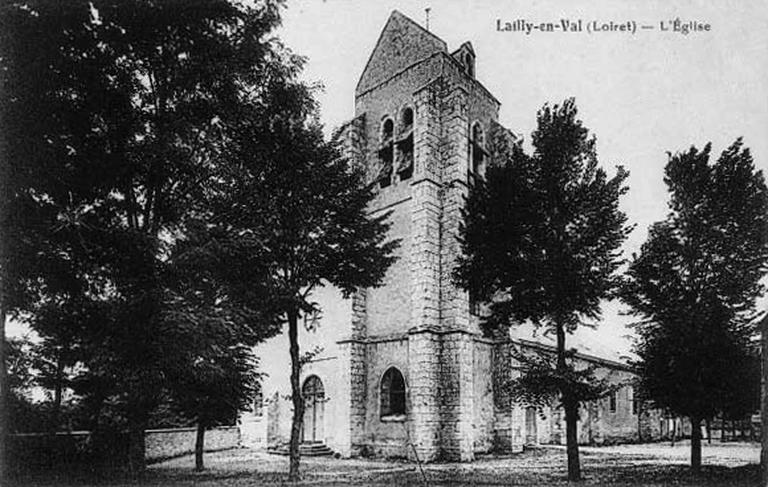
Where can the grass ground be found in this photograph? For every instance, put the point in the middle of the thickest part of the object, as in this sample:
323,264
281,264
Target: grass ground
652,465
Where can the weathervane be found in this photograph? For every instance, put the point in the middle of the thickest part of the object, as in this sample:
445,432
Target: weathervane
426,11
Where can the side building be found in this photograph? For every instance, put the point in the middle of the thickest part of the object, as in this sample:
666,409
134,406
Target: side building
403,369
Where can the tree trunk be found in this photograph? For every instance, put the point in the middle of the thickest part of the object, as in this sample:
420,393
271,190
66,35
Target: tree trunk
571,407
57,392
695,445
298,400
136,446
3,393
572,440
722,430
674,430
199,446
709,431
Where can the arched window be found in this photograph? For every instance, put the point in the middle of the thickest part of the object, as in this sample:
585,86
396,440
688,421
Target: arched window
388,128
386,153
407,118
392,393
477,151
405,144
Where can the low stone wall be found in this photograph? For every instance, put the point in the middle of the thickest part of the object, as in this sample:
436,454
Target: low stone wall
174,442
41,450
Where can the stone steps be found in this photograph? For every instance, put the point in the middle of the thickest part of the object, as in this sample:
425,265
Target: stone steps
313,449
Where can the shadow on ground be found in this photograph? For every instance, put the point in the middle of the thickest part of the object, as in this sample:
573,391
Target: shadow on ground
545,466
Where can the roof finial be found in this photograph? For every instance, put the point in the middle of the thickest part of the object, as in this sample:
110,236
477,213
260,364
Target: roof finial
426,10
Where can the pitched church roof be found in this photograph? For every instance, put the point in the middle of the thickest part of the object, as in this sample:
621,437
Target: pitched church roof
590,343
402,43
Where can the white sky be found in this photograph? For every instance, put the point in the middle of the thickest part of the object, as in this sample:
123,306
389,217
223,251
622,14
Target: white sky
642,95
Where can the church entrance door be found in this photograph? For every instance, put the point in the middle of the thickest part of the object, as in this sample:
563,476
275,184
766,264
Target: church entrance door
314,405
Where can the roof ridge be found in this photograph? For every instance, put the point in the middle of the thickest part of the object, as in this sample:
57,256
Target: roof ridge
396,14
421,27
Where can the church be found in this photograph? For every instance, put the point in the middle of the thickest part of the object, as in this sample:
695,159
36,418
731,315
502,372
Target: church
403,370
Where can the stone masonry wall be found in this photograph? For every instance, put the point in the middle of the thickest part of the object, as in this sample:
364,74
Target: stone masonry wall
169,443
388,307
424,374
418,296
414,204
353,360
457,397
650,423
508,434
358,394
386,437
353,138
454,164
598,424
483,414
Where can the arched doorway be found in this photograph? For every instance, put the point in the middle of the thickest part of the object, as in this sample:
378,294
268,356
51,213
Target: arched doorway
314,403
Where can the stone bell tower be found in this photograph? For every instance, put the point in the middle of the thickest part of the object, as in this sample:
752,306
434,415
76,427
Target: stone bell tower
424,129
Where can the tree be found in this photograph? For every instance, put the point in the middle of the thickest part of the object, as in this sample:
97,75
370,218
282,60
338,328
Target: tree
215,388
302,211
114,117
694,285
541,243
211,310
58,351
745,400
22,414
29,367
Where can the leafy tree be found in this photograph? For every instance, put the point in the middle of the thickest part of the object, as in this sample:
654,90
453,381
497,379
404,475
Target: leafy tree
215,387
215,377
302,211
745,400
29,367
19,353
115,115
23,414
58,352
225,385
541,242
695,282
